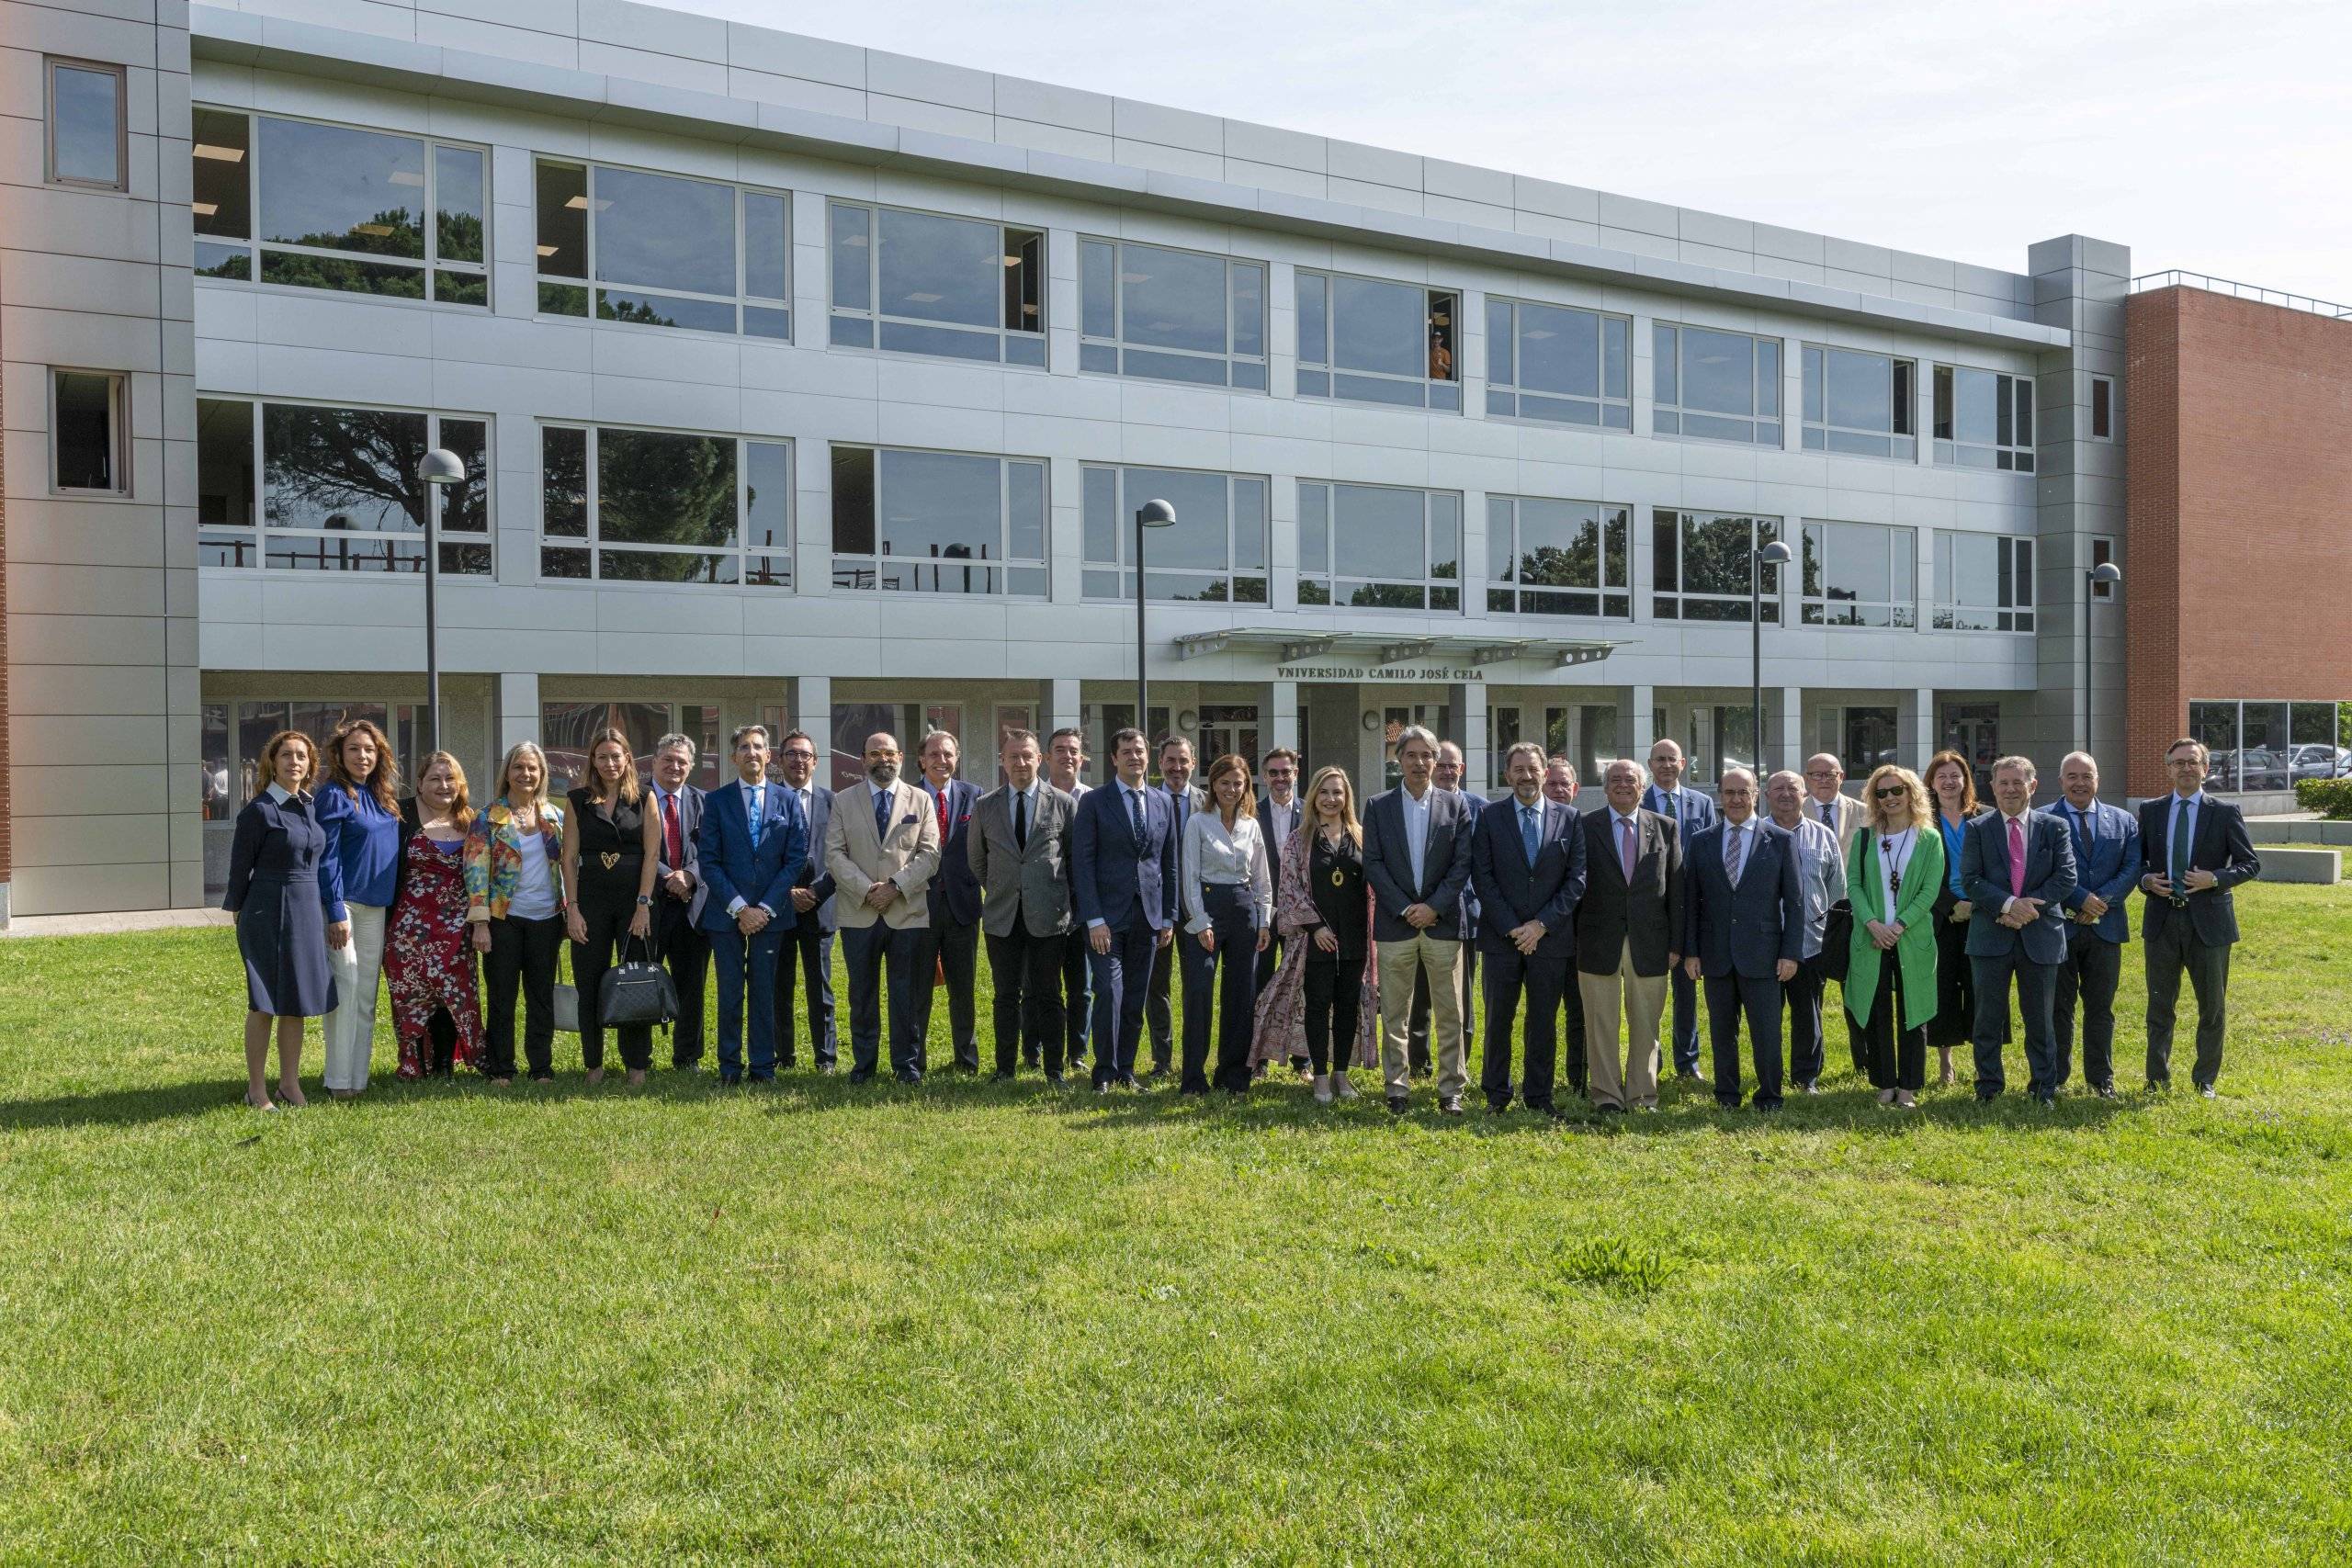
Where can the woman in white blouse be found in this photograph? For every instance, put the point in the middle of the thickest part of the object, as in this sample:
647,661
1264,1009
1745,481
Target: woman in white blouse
1228,916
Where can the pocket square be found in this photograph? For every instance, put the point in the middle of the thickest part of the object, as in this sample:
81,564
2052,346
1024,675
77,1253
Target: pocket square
909,816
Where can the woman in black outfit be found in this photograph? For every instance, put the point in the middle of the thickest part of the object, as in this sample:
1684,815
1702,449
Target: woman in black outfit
609,861
1951,794
1325,989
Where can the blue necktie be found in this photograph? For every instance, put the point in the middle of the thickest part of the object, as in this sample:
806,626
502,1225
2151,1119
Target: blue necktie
1528,832
881,815
752,796
2082,842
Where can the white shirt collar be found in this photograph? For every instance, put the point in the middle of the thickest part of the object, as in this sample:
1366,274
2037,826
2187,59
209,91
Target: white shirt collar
2019,817
278,793
2197,799
1631,819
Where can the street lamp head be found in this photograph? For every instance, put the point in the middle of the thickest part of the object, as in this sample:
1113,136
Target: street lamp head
1776,553
442,467
1156,515
2106,573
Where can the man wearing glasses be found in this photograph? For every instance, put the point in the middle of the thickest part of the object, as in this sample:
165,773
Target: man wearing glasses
2196,850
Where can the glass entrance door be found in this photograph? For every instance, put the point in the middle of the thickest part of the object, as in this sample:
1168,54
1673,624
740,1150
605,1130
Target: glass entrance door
1974,729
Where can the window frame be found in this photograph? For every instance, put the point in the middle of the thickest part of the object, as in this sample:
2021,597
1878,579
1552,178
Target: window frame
1506,585
2014,456
592,289
1123,510
1672,411
1815,609
1004,565
118,435
1119,348
875,318
2100,422
2102,552
51,65
2014,612
1903,405
1506,395
592,545
1669,604
1329,578
1306,369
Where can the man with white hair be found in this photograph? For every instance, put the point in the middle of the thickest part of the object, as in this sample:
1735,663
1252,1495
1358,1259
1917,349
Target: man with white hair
1824,780
1821,875
1629,925
2107,860
1417,857
2019,866
1744,932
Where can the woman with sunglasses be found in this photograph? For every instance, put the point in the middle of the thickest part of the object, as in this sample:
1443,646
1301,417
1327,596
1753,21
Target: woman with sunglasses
1893,877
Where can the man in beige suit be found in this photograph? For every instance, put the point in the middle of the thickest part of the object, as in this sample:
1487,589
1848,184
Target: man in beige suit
1824,780
881,847
1019,846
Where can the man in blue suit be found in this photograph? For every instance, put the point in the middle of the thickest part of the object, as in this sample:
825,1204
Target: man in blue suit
2196,849
951,941
752,842
806,955
2106,841
1417,841
1692,812
1527,864
2017,865
1123,882
1745,925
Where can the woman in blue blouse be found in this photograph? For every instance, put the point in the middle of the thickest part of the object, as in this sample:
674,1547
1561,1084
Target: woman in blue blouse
360,810
282,885
1951,792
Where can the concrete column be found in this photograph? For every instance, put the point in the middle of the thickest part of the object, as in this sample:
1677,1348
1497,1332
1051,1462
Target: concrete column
1914,727
812,710
1634,735
518,712
1277,718
1468,702
1062,706
1788,729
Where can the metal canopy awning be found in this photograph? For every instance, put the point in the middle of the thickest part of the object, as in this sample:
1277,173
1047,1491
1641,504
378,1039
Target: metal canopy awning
1291,644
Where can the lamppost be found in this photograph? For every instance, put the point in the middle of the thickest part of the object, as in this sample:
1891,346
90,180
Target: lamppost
2104,575
1776,553
1150,514
440,468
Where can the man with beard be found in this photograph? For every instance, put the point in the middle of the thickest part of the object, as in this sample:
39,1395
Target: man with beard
881,847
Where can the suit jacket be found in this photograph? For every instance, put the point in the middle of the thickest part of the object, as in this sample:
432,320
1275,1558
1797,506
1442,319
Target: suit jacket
1388,863
2221,848
2050,875
1471,905
1275,838
908,856
954,891
1112,870
733,867
1698,814
1851,818
690,804
1511,892
1743,930
1647,912
2106,861
812,874
1030,885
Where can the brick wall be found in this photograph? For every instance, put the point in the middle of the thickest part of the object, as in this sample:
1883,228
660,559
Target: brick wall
5,814
2239,422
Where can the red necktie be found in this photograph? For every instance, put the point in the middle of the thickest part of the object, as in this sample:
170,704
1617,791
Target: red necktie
671,848
2016,857
943,816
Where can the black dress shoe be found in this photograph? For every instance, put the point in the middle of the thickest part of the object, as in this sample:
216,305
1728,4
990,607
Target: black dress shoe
911,1075
2206,1090
1497,1107
1609,1109
1727,1102
829,1068
2105,1091
861,1075
763,1077
1395,1105
729,1081
1188,1090
1553,1111
1057,1080
1003,1075
1129,1081
1449,1105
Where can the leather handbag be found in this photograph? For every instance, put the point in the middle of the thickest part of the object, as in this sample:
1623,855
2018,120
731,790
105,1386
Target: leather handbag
1837,940
637,991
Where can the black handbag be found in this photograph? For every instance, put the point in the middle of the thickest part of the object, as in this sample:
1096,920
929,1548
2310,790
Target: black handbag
637,991
1837,940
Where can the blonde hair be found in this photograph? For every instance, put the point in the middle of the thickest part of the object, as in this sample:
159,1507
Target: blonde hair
265,765
1347,802
627,789
462,810
506,769
1922,812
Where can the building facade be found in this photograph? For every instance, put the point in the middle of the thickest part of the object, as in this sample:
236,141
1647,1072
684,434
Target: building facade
819,384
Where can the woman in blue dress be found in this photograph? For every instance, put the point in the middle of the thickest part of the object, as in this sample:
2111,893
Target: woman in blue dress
282,886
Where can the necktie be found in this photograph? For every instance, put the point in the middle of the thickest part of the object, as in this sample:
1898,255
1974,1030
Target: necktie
1134,815
942,798
881,815
2082,840
672,849
2177,850
1625,848
753,797
1021,819
2016,857
1528,831
1735,847
1828,815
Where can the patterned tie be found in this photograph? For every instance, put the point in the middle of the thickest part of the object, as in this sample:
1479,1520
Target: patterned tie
1735,847
881,814
1135,814
2016,857
1529,832
672,849
2177,850
753,797
1828,815
942,798
1021,819
1625,848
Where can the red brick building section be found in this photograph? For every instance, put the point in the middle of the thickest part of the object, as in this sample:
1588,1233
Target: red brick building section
6,811
2238,511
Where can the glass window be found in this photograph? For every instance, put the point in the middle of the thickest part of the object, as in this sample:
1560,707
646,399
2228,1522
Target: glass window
2103,554
1214,553
1384,548
1859,404
89,435
938,522
1502,734
1983,419
1557,365
87,127
1557,558
1983,582
1715,385
338,488
2102,408
226,519
566,728
625,505
1369,340
924,283
1859,574
1703,563
1170,315
663,250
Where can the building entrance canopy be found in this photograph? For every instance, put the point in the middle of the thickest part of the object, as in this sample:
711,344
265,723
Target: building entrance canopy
1378,655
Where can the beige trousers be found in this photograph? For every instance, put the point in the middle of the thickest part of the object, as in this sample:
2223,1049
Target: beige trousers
1442,957
1630,1081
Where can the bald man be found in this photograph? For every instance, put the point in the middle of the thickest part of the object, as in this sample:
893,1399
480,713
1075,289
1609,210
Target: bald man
1826,802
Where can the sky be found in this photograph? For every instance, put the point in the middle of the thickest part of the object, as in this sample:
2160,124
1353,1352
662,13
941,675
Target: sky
2211,136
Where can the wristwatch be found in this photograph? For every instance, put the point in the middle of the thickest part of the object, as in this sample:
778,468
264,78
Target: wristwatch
644,902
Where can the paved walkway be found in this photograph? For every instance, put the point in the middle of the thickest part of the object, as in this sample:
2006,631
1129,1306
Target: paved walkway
114,921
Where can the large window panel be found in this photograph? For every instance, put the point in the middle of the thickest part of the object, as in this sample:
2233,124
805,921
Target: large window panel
1372,339
1859,574
1983,582
1214,553
1859,404
1557,558
666,251
1703,566
627,505
1557,365
1983,419
921,522
89,432
1379,547
911,282
1170,315
88,128
1715,385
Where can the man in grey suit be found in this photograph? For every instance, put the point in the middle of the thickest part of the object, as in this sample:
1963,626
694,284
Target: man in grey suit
1184,797
1019,845
1743,933
679,893
808,955
1417,841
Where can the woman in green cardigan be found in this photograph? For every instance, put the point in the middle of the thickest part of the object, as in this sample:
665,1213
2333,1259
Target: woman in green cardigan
1893,877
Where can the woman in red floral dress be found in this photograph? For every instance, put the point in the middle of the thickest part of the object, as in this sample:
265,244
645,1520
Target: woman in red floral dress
429,961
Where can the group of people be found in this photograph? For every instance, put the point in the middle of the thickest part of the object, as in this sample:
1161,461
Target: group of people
1307,935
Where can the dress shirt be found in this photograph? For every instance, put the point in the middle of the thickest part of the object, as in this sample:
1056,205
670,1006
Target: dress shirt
1285,815
1622,827
1235,858
1738,849
1821,875
1416,831
752,797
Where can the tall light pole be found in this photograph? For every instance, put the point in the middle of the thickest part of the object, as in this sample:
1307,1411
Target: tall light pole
2104,575
1150,514
1776,553
440,468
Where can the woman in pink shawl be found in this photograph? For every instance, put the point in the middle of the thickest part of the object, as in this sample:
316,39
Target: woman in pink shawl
1325,990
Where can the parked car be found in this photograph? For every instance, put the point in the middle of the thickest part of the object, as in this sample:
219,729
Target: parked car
2321,762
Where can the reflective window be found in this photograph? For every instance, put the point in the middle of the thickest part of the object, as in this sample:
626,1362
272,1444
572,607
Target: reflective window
1377,547
1172,315
1214,553
88,137
338,489
1715,385
1983,582
1983,419
1703,566
1861,404
938,522
2102,408
924,283
625,505
1558,365
1557,558
1369,340
1859,574
663,250
566,729
312,206
89,433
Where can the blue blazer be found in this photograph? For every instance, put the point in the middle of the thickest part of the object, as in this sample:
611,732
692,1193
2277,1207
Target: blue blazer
1698,812
954,892
1112,871
2050,875
2107,863
732,868
813,874
1511,892
1748,929
1445,863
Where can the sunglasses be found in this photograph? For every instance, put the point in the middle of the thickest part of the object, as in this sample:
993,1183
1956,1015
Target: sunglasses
1894,792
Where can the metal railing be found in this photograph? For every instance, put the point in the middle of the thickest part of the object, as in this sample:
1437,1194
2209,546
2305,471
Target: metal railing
2177,279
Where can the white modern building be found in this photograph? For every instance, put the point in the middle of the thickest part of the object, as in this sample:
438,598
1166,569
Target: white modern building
818,384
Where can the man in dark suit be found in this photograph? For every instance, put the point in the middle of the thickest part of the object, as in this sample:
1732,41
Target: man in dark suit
1417,857
678,893
2017,865
951,944
1691,813
1019,845
2197,851
1628,933
1744,933
1183,797
808,953
1450,773
1066,771
1123,880
1280,813
1560,788
1527,861
2106,867
753,841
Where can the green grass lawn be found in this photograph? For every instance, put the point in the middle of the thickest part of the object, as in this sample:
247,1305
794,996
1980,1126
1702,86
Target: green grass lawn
973,1323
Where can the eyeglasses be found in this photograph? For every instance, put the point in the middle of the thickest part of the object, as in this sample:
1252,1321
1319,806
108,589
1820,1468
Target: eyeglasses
1893,792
